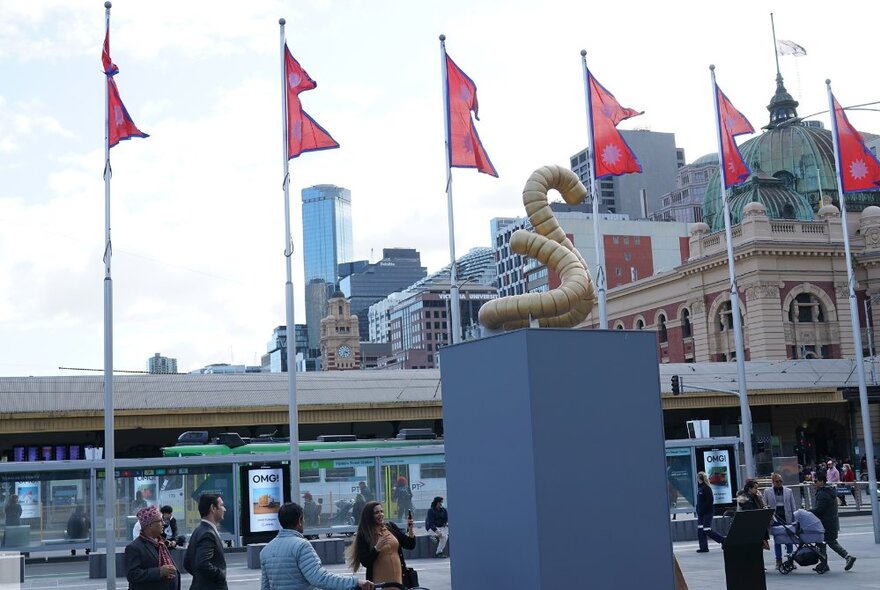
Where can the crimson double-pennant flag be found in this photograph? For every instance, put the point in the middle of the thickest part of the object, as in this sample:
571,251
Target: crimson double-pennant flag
611,154
303,133
859,168
119,123
464,145
731,122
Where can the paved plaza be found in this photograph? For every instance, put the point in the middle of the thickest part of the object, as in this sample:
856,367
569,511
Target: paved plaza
703,571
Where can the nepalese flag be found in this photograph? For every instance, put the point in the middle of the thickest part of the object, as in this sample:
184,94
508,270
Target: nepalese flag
464,145
109,67
303,133
732,123
120,125
611,154
859,168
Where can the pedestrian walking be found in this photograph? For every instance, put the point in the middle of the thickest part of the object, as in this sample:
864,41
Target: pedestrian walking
826,510
781,500
437,524
147,559
705,512
378,546
289,562
204,556
402,497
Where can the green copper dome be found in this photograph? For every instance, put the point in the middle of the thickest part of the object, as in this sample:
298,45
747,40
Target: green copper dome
800,155
779,201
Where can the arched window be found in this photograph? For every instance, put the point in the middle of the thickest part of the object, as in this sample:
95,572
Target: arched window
640,324
661,328
686,331
807,333
806,308
618,326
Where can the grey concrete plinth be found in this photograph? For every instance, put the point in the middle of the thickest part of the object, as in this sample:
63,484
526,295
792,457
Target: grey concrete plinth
555,465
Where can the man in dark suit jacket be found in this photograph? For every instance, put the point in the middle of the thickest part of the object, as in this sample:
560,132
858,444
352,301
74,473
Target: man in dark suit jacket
204,556
149,564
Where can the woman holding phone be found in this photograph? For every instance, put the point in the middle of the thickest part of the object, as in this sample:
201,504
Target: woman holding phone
379,545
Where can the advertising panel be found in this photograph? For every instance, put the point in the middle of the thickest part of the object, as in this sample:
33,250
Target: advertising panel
680,478
29,498
145,493
717,467
265,496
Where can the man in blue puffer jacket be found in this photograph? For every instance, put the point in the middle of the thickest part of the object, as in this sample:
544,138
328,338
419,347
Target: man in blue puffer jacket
289,561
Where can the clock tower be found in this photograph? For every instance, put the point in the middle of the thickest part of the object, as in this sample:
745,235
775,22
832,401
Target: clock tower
340,336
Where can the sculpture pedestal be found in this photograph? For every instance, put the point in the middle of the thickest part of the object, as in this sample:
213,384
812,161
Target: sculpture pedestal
555,465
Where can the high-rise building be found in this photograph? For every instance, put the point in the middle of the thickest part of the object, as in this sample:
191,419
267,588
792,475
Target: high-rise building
327,242
685,202
659,158
364,284
416,321
161,364
275,359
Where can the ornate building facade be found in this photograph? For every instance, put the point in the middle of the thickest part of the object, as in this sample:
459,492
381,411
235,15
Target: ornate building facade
340,336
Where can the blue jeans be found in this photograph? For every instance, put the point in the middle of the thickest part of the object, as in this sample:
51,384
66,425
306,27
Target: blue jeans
704,531
777,548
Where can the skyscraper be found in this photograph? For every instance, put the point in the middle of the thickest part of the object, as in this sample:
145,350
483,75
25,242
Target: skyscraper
327,242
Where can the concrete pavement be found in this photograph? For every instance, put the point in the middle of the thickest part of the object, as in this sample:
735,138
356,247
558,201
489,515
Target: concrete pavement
703,571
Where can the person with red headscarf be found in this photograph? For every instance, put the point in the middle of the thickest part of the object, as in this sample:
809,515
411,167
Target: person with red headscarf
147,559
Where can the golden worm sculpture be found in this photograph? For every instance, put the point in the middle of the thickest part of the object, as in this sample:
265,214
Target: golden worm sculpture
570,303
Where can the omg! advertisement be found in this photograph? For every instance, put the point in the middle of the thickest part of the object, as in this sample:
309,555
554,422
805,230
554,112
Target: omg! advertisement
265,495
717,463
29,498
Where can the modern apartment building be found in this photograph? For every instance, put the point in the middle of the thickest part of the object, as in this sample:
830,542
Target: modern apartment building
636,195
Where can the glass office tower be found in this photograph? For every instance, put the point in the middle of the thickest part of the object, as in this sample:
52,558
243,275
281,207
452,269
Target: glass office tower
327,242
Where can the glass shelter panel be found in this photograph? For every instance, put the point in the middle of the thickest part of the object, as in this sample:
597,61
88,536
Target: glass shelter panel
44,510
178,487
680,478
412,483
335,490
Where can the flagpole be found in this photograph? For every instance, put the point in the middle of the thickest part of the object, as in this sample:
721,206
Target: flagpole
292,409
454,305
856,331
597,236
745,411
109,431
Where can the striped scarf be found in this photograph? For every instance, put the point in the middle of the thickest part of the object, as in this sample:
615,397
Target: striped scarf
164,555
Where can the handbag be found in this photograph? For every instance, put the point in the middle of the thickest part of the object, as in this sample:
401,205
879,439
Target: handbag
410,577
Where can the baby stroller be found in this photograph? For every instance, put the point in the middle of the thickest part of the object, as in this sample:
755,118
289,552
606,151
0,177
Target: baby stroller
806,533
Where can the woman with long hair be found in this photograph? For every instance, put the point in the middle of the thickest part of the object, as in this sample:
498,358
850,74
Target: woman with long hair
379,544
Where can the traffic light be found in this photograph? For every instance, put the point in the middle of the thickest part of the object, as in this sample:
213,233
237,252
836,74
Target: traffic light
676,385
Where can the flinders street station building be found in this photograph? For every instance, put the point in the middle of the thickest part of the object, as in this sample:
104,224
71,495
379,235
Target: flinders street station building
792,280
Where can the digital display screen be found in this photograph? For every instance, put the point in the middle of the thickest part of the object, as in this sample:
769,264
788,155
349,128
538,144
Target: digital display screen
76,452
18,454
61,452
33,453
47,453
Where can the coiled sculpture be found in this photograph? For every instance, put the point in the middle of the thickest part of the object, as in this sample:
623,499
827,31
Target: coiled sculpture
570,303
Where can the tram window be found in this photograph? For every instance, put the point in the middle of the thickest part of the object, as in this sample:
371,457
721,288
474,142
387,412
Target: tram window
309,475
340,474
433,470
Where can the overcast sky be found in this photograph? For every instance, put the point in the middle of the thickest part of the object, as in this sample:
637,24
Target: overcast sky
197,215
